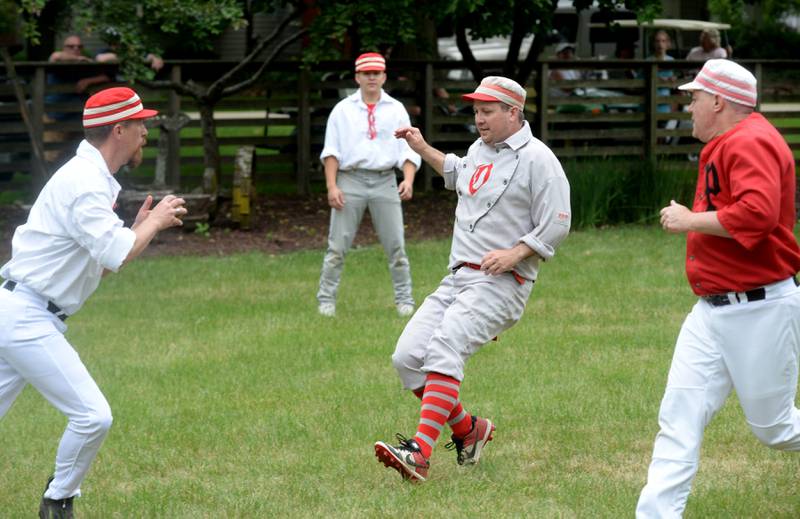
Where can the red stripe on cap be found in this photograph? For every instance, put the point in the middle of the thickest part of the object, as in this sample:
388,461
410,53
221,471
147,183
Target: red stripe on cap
112,112
505,91
725,79
716,88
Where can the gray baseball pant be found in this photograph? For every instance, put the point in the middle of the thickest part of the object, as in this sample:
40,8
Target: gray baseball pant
376,190
467,311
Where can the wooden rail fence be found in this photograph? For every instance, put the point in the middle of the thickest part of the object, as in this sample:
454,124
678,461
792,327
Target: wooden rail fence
613,108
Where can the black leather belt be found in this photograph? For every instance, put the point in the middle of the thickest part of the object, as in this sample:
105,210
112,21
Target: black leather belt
757,294
51,306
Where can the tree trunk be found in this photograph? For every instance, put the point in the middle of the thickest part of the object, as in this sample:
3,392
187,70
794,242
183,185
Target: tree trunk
211,160
466,52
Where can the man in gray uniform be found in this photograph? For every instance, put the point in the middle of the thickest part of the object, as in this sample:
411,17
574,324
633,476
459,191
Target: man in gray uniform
359,156
513,211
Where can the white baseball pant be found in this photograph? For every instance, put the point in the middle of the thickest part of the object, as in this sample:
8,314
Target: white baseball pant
376,190
468,310
751,347
33,350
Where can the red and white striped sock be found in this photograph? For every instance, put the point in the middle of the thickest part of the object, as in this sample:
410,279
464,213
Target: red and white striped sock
439,398
460,421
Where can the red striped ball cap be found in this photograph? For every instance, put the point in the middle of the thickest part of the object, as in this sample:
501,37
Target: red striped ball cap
726,79
113,105
498,89
370,61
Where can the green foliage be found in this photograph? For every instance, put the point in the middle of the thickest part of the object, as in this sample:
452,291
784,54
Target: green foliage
149,26
607,192
757,30
370,26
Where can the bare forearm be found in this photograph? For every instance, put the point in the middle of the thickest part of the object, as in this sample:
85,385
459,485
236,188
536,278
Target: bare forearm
707,223
145,232
409,171
331,166
433,157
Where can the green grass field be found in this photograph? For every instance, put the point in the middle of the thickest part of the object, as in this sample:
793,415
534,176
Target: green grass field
232,398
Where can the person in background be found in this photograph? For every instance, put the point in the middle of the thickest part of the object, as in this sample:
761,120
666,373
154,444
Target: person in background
360,157
73,86
709,47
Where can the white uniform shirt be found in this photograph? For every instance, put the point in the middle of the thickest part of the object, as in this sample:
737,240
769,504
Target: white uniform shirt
509,193
72,233
347,135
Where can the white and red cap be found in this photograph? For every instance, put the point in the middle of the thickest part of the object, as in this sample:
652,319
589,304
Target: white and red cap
498,89
726,79
114,105
370,62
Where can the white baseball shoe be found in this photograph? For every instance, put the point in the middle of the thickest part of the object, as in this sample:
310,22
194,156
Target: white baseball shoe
327,309
405,310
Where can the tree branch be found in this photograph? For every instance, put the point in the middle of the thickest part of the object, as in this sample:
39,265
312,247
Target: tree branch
233,89
517,33
219,85
181,88
466,52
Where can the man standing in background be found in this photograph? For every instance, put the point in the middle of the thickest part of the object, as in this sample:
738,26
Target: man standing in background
360,157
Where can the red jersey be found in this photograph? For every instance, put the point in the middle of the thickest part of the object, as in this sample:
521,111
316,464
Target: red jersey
747,175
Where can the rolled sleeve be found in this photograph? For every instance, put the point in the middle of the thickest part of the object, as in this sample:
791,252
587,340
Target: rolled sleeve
551,214
100,231
331,146
407,154
450,170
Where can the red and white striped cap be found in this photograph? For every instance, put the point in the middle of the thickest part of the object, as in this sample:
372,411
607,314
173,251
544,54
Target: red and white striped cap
113,105
370,61
498,89
727,79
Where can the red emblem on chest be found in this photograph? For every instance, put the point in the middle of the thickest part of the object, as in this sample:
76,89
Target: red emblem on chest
479,178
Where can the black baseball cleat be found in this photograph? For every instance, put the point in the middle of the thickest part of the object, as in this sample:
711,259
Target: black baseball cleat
55,508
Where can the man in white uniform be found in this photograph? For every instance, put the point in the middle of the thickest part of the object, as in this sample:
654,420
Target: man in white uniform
359,157
513,211
71,239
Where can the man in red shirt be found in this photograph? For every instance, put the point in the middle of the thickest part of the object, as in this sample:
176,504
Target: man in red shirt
741,259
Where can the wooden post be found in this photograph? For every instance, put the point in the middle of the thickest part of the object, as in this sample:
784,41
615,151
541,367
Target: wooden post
759,74
303,132
427,111
651,109
39,174
173,173
542,94
37,112
243,186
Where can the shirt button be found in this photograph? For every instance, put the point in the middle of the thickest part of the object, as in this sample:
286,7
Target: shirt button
505,181
691,258
464,165
488,204
697,285
471,226
516,156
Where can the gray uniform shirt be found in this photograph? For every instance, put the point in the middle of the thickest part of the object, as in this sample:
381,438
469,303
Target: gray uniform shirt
509,193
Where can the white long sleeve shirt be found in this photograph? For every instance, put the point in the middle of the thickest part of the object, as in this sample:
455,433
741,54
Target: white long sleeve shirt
508,193
347,135
72,233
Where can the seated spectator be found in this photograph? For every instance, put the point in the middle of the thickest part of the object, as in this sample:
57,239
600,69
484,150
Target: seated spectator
661,44
564,52
709,47
82,79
